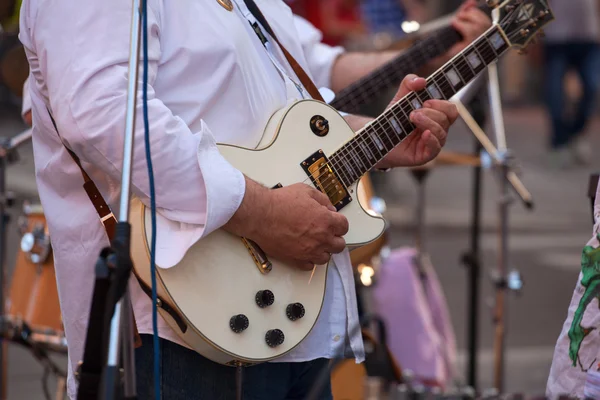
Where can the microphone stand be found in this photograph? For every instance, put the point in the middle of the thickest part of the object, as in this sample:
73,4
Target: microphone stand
503,162
111,303
8,155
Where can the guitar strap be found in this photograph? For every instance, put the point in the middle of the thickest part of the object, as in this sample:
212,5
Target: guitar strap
304,78
109,220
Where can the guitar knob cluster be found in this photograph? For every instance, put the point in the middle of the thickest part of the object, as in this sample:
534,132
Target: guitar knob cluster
295,311
239,323
264,298
274,337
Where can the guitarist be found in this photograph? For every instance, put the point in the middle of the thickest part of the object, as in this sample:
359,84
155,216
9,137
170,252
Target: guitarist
211,79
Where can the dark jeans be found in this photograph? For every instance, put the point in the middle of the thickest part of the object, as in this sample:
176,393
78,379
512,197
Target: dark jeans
186,375
559,58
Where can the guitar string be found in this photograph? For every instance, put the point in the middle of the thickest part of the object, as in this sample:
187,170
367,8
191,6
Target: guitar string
460,62
483,53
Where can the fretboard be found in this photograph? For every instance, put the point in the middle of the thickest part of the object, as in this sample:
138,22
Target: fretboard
378,138
353,97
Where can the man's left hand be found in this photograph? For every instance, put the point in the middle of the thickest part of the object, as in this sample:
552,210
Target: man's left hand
426,141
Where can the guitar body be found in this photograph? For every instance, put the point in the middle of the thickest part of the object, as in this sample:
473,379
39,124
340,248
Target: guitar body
218,278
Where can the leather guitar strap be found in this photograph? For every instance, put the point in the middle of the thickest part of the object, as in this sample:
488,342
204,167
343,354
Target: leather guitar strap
304,78
104,213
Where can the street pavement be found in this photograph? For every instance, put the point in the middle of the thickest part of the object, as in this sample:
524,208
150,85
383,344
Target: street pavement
544,244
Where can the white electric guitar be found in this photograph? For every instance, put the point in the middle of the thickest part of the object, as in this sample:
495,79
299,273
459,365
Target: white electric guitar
234,304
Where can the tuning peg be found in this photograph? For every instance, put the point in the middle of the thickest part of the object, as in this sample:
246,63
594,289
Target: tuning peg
523,51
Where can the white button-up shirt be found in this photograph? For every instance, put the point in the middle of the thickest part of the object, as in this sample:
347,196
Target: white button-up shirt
210,80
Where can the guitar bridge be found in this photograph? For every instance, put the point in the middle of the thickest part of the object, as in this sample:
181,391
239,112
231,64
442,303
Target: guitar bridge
321,174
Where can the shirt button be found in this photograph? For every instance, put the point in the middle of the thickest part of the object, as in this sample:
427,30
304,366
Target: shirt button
336,338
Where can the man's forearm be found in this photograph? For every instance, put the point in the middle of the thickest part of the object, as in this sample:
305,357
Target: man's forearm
350,67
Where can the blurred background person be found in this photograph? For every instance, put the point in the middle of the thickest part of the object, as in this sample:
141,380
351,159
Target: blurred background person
571,43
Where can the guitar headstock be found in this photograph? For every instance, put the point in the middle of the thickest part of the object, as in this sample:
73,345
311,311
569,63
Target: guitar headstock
523,20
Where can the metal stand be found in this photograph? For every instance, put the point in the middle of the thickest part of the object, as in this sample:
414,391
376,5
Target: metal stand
113,269
502,279
8,155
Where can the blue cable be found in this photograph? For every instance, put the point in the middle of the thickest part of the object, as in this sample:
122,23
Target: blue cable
152,202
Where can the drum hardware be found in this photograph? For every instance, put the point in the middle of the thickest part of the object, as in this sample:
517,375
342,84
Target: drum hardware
8,155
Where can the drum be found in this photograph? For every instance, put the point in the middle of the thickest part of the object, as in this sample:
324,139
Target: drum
33,294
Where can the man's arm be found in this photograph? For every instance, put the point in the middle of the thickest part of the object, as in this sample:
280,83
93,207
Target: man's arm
350,67
83,62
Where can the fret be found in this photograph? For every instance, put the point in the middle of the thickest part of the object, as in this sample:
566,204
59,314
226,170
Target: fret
366,149
434,91
453,76
423,95
414,100
336,163
378,130
384,128
475,61
358,160
370,158
485,51
396,125
498,42
378,143
406,112
445,85
491,55
351,167
464,69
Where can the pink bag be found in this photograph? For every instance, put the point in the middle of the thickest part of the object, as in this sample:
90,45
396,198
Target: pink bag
418,327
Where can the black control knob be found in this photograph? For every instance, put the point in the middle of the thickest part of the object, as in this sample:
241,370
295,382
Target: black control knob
274,337
264,298
295,311
239,323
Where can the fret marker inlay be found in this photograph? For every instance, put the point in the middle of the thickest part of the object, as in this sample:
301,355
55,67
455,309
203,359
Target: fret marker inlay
452,75
416,103
377,142
497,40
434,92
474,59
396,126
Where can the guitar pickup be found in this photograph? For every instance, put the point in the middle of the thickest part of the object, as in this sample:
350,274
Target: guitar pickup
325,180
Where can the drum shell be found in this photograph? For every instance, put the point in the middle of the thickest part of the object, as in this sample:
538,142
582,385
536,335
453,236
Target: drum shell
33,293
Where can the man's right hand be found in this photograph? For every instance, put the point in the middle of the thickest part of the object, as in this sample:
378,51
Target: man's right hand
295,224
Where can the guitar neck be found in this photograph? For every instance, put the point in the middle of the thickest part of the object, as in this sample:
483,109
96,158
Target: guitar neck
378,138
391,74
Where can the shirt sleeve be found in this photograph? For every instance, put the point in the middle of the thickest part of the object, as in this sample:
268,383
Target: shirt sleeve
79,56
320,57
